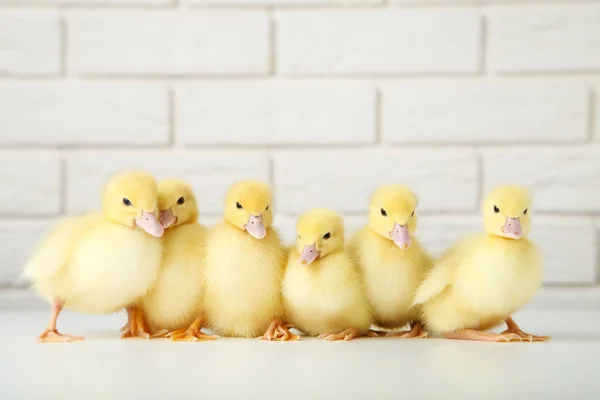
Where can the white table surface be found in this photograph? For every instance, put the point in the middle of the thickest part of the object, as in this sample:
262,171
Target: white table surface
105,367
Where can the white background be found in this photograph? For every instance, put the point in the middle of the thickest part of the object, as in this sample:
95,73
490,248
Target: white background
324,99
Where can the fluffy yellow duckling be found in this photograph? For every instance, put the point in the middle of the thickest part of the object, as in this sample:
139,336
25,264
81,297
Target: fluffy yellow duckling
482,280
322,288
173,305
392,260
101,263
244,267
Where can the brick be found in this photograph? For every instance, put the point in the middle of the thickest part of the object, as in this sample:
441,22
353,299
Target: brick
31,184
18,240
83,114
485,112
567,244
164,42
29,43
210,173
276,113
344,180
562,180
387,41
545,38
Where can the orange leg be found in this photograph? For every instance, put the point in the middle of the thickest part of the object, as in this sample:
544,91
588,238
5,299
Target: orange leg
346,335
193,333
416,331
137,324
514,328
279,331
51,334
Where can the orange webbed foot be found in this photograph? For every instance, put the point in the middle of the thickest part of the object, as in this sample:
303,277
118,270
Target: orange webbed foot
53,336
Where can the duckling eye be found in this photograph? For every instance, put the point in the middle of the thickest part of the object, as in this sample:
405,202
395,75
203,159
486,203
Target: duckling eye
413,214
127,202
327,235
181,201
496,210
383,212
238,205
525,212
267,209
299,237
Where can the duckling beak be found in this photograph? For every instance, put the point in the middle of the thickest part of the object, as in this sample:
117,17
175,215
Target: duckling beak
512,228
166,218
256,227
150,224
401,236
309,254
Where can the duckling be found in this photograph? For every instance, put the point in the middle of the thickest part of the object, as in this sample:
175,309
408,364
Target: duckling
322,288
173,306
392,260
100,263
244,267
482,280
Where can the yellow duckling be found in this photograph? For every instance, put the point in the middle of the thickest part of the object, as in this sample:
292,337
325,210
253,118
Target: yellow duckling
174,304
101,263
391,259
322,288
484,279
244,267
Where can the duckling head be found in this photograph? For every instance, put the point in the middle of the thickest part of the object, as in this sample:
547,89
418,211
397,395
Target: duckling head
392,214
248,207
506,212
177,203
319,232
130,198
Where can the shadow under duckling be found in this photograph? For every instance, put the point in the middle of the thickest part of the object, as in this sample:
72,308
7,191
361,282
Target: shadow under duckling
173,306
100,263
392,260
482,280
322,289
245,260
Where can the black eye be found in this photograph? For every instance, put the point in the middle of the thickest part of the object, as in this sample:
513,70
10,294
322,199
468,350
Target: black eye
127,202
299,237
181,201
267,209
383,212
496,210
525,212
238,205
413,214
327,235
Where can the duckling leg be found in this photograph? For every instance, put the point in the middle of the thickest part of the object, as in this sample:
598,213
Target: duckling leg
137,324
416,331
346,335
472,334
514,328
193,333
51,334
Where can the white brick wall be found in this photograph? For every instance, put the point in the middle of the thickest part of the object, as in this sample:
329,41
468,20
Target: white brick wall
325,99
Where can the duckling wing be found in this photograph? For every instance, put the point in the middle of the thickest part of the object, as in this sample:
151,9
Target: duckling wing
55,251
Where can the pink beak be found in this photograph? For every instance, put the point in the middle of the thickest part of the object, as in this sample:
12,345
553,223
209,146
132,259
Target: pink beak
150,224
401,236
167,218
256,227
512,228
309,254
